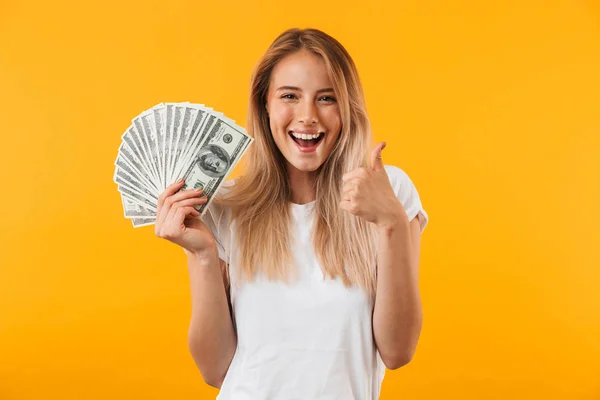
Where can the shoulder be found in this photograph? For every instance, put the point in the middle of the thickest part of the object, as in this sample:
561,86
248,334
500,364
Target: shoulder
397,176
407,193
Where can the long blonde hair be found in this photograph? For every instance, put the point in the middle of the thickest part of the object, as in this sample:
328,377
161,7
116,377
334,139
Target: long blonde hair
345,245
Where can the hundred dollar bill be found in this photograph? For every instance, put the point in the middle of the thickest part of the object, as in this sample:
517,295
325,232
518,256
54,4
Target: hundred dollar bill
137,197
132,183
168,135
132,167
176,128
147,122
159,125
201,131
138,222
134,210
143,148
195,136
170,141
217,155
185,132
131,148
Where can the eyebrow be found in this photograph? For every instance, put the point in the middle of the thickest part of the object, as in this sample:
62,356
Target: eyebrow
299,90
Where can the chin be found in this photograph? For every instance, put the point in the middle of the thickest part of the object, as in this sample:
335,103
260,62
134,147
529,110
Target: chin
306,166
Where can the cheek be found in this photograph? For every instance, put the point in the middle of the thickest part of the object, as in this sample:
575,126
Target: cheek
332,119
280,117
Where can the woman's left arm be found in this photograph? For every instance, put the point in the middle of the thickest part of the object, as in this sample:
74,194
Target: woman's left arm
397,315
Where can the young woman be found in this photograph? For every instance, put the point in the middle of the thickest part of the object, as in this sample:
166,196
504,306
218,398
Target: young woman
304,271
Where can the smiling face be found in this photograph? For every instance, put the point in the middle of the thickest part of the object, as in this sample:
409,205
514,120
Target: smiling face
301,103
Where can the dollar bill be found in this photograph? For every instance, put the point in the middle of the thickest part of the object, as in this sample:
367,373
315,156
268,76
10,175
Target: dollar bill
147,122
199,132
220,151
136,153
173,140
177,120
137,197
123,178
195,135
127,160
158,113
129,163
185,131
139,222
168,138
135,210
138,130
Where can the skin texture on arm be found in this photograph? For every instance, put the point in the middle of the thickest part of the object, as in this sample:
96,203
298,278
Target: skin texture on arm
211,336
398,316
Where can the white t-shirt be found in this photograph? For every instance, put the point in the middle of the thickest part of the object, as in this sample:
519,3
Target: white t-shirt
310,340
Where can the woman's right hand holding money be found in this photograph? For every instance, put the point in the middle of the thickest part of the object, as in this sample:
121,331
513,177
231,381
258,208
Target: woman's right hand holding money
176,220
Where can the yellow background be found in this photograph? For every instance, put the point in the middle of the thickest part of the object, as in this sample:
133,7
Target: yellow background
492,109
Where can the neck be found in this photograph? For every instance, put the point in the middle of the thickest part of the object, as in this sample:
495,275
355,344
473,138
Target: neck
301,185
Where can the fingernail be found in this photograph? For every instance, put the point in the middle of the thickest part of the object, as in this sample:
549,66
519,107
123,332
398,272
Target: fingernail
179,180
198,189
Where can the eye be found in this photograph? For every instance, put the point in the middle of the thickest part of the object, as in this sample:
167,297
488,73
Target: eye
289,96
327,99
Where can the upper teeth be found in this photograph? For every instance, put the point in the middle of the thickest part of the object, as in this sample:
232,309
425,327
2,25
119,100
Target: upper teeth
305,136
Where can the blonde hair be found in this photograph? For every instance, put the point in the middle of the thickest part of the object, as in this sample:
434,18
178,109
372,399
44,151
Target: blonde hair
344,244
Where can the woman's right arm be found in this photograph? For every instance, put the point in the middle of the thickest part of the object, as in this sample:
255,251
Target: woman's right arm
211,336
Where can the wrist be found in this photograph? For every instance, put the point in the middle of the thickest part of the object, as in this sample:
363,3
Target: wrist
394,222
203,257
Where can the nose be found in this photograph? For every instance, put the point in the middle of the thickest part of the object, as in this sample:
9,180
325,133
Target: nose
307,114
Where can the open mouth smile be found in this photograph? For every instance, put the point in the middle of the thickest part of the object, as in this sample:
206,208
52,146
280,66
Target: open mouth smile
307,142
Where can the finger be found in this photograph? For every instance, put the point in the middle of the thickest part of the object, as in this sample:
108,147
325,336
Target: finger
174,198
348,191
376,161
184,194
351,206
182,204
191,202
191,213
180,215
194,214
195,201
169,190
357,173
352,183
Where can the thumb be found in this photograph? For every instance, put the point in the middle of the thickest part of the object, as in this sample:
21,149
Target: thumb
376,161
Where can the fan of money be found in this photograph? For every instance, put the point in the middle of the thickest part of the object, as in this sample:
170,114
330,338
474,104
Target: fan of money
171,141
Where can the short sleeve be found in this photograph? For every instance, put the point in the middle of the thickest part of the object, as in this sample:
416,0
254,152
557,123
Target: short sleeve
407,194
216,218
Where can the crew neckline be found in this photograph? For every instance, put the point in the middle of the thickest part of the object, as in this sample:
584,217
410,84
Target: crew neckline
305,205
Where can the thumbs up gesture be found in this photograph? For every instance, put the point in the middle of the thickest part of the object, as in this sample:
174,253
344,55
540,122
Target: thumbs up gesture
368,193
